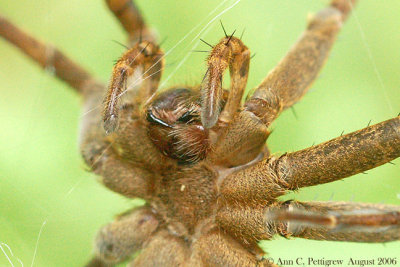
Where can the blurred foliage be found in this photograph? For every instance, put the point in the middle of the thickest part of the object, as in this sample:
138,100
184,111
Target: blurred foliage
42,176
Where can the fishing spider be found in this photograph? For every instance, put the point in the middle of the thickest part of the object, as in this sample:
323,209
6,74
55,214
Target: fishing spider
198,156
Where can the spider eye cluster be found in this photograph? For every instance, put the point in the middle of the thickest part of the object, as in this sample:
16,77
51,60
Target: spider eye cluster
175,127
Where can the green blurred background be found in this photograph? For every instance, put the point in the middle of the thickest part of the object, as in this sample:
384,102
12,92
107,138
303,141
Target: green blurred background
43,182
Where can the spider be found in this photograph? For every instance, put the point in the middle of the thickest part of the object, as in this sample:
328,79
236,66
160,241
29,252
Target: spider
213,142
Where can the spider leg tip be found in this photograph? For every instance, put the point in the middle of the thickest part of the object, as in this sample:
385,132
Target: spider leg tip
208,121
110,124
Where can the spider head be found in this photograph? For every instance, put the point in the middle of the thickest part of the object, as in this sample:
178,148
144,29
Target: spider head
174,125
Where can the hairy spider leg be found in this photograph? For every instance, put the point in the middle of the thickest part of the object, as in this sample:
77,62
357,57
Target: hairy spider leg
291,78
242,211
49,57
127,234
338,221
131,20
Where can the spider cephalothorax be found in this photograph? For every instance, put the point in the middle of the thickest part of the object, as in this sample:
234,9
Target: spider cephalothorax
197,155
